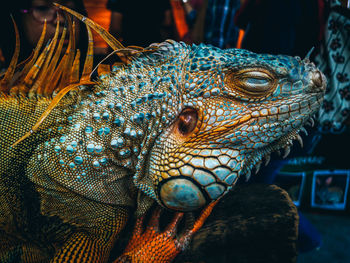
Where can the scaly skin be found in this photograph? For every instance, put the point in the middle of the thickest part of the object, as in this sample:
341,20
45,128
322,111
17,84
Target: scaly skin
177,126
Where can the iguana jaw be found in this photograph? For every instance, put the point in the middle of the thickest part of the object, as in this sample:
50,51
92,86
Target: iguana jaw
255,159
187,194
283,145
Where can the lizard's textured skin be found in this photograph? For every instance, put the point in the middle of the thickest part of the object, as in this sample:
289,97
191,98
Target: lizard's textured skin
178,125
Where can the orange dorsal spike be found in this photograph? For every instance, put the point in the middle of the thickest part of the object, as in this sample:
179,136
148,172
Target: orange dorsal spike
74,76
66,70
63,77
28,81
52,105
57,75
106,36
19,65
89,60
32,83
37,49
48,88
38,85
27,60
4,84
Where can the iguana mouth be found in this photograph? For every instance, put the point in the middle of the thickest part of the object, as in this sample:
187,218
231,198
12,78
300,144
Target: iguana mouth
284,143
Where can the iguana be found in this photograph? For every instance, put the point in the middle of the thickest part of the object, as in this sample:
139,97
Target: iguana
174,124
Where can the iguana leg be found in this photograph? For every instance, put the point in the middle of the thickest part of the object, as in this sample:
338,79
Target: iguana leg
155,246
91,245
81,247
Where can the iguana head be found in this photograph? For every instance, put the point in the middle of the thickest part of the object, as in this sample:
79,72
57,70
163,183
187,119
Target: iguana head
185,121
235,108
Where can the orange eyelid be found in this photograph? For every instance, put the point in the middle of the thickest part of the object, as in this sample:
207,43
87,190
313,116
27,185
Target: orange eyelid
236,81
254,72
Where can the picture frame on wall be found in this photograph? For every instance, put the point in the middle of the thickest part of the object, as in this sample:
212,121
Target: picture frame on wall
330,189
293,183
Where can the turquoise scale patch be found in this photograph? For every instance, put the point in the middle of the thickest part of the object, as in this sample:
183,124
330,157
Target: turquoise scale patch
96,164
57,148
231,179
69,149
221,172
90,147
203,177
215,190
98,148
211,163
78,160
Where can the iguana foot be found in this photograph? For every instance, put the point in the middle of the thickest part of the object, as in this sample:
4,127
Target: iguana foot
155,246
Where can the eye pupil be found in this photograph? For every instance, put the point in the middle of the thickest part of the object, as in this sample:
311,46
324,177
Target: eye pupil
187,121
184,123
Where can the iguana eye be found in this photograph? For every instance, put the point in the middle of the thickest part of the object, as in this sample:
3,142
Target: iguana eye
252,83
187,121
257,82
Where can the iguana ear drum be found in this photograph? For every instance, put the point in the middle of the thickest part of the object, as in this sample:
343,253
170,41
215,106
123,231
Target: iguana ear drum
181,194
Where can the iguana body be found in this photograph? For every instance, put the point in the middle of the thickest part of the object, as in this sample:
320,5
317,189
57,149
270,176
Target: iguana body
178,125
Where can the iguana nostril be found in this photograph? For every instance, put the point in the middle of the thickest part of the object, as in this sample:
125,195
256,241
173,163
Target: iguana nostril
316,78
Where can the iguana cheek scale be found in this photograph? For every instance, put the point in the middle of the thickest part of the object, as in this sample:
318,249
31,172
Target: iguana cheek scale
175,124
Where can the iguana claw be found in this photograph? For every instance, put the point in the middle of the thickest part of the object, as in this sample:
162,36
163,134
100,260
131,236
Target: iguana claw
152,245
